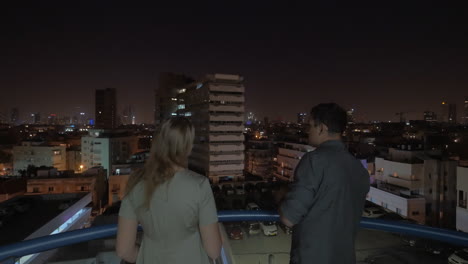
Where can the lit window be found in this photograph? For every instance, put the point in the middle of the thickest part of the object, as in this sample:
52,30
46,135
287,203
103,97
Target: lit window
181,106
188,114
173,114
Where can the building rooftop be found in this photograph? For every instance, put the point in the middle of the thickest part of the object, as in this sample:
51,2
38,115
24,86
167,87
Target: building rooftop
36,211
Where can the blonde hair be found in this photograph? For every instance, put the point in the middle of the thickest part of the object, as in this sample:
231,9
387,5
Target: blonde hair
170,149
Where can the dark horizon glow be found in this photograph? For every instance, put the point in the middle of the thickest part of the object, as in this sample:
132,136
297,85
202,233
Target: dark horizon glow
377,59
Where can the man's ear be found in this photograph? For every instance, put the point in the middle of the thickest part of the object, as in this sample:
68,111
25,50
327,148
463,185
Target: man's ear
323,128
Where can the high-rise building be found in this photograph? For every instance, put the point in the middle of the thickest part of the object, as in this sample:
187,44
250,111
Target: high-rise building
106,147
36,118
52,119
128,116
216,107
166,95
301,118
14,116
444,112
430,116
448,113
350,114
465,112
106,108
452,113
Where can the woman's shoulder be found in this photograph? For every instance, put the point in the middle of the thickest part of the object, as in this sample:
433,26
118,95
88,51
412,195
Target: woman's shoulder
193,177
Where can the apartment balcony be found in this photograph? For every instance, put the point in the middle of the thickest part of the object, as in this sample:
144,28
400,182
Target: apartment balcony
218,146
228,157
239,128
227,98
228,138
227,108
378,241
394,179
227,118
226,88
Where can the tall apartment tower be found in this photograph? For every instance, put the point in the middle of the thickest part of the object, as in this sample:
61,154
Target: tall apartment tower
106,108
465,111
216,107
166,95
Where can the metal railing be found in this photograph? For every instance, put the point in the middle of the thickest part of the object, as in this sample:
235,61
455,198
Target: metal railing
13,251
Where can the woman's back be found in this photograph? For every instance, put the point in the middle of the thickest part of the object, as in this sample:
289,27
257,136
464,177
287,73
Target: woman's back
171,223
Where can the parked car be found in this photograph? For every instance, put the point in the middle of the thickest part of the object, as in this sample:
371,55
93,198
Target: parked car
234,231
240,190
373,212
459,257
253,228
228,189
5,211
252,206
269,228
20,207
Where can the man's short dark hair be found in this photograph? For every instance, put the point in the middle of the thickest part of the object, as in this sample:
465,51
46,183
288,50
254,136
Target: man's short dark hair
331,115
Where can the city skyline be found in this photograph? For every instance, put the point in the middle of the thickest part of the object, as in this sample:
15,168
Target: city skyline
378,60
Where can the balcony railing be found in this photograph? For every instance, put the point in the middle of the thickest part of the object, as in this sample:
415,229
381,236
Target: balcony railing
10,253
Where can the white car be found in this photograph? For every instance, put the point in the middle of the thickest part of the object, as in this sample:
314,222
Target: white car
240,190
373,212
269,228
252,206
459,257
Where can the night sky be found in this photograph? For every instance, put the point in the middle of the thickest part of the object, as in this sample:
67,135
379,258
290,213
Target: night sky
379,59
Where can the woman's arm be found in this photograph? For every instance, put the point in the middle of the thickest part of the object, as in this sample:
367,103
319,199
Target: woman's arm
126,238
211,239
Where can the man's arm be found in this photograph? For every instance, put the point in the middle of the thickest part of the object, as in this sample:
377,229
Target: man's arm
302,196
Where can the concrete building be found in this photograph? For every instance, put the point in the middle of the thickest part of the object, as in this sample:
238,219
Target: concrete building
415,174
104,148
106,108
259,158
289,155
430,116
462,194
92,181
216,107
38,154
166,95
74,159
45,215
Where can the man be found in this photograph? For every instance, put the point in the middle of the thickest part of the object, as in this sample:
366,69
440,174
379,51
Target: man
325,203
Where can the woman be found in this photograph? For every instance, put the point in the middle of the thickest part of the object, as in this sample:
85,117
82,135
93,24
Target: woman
175,206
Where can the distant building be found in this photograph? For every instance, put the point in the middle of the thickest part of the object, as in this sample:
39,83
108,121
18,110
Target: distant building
411,174
215,105
166,100
35,118
462,194
38,154
105,147
92,181
259,158
465,112
105,109
301,118
14,116
350,114
289,155
430,116
448,113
